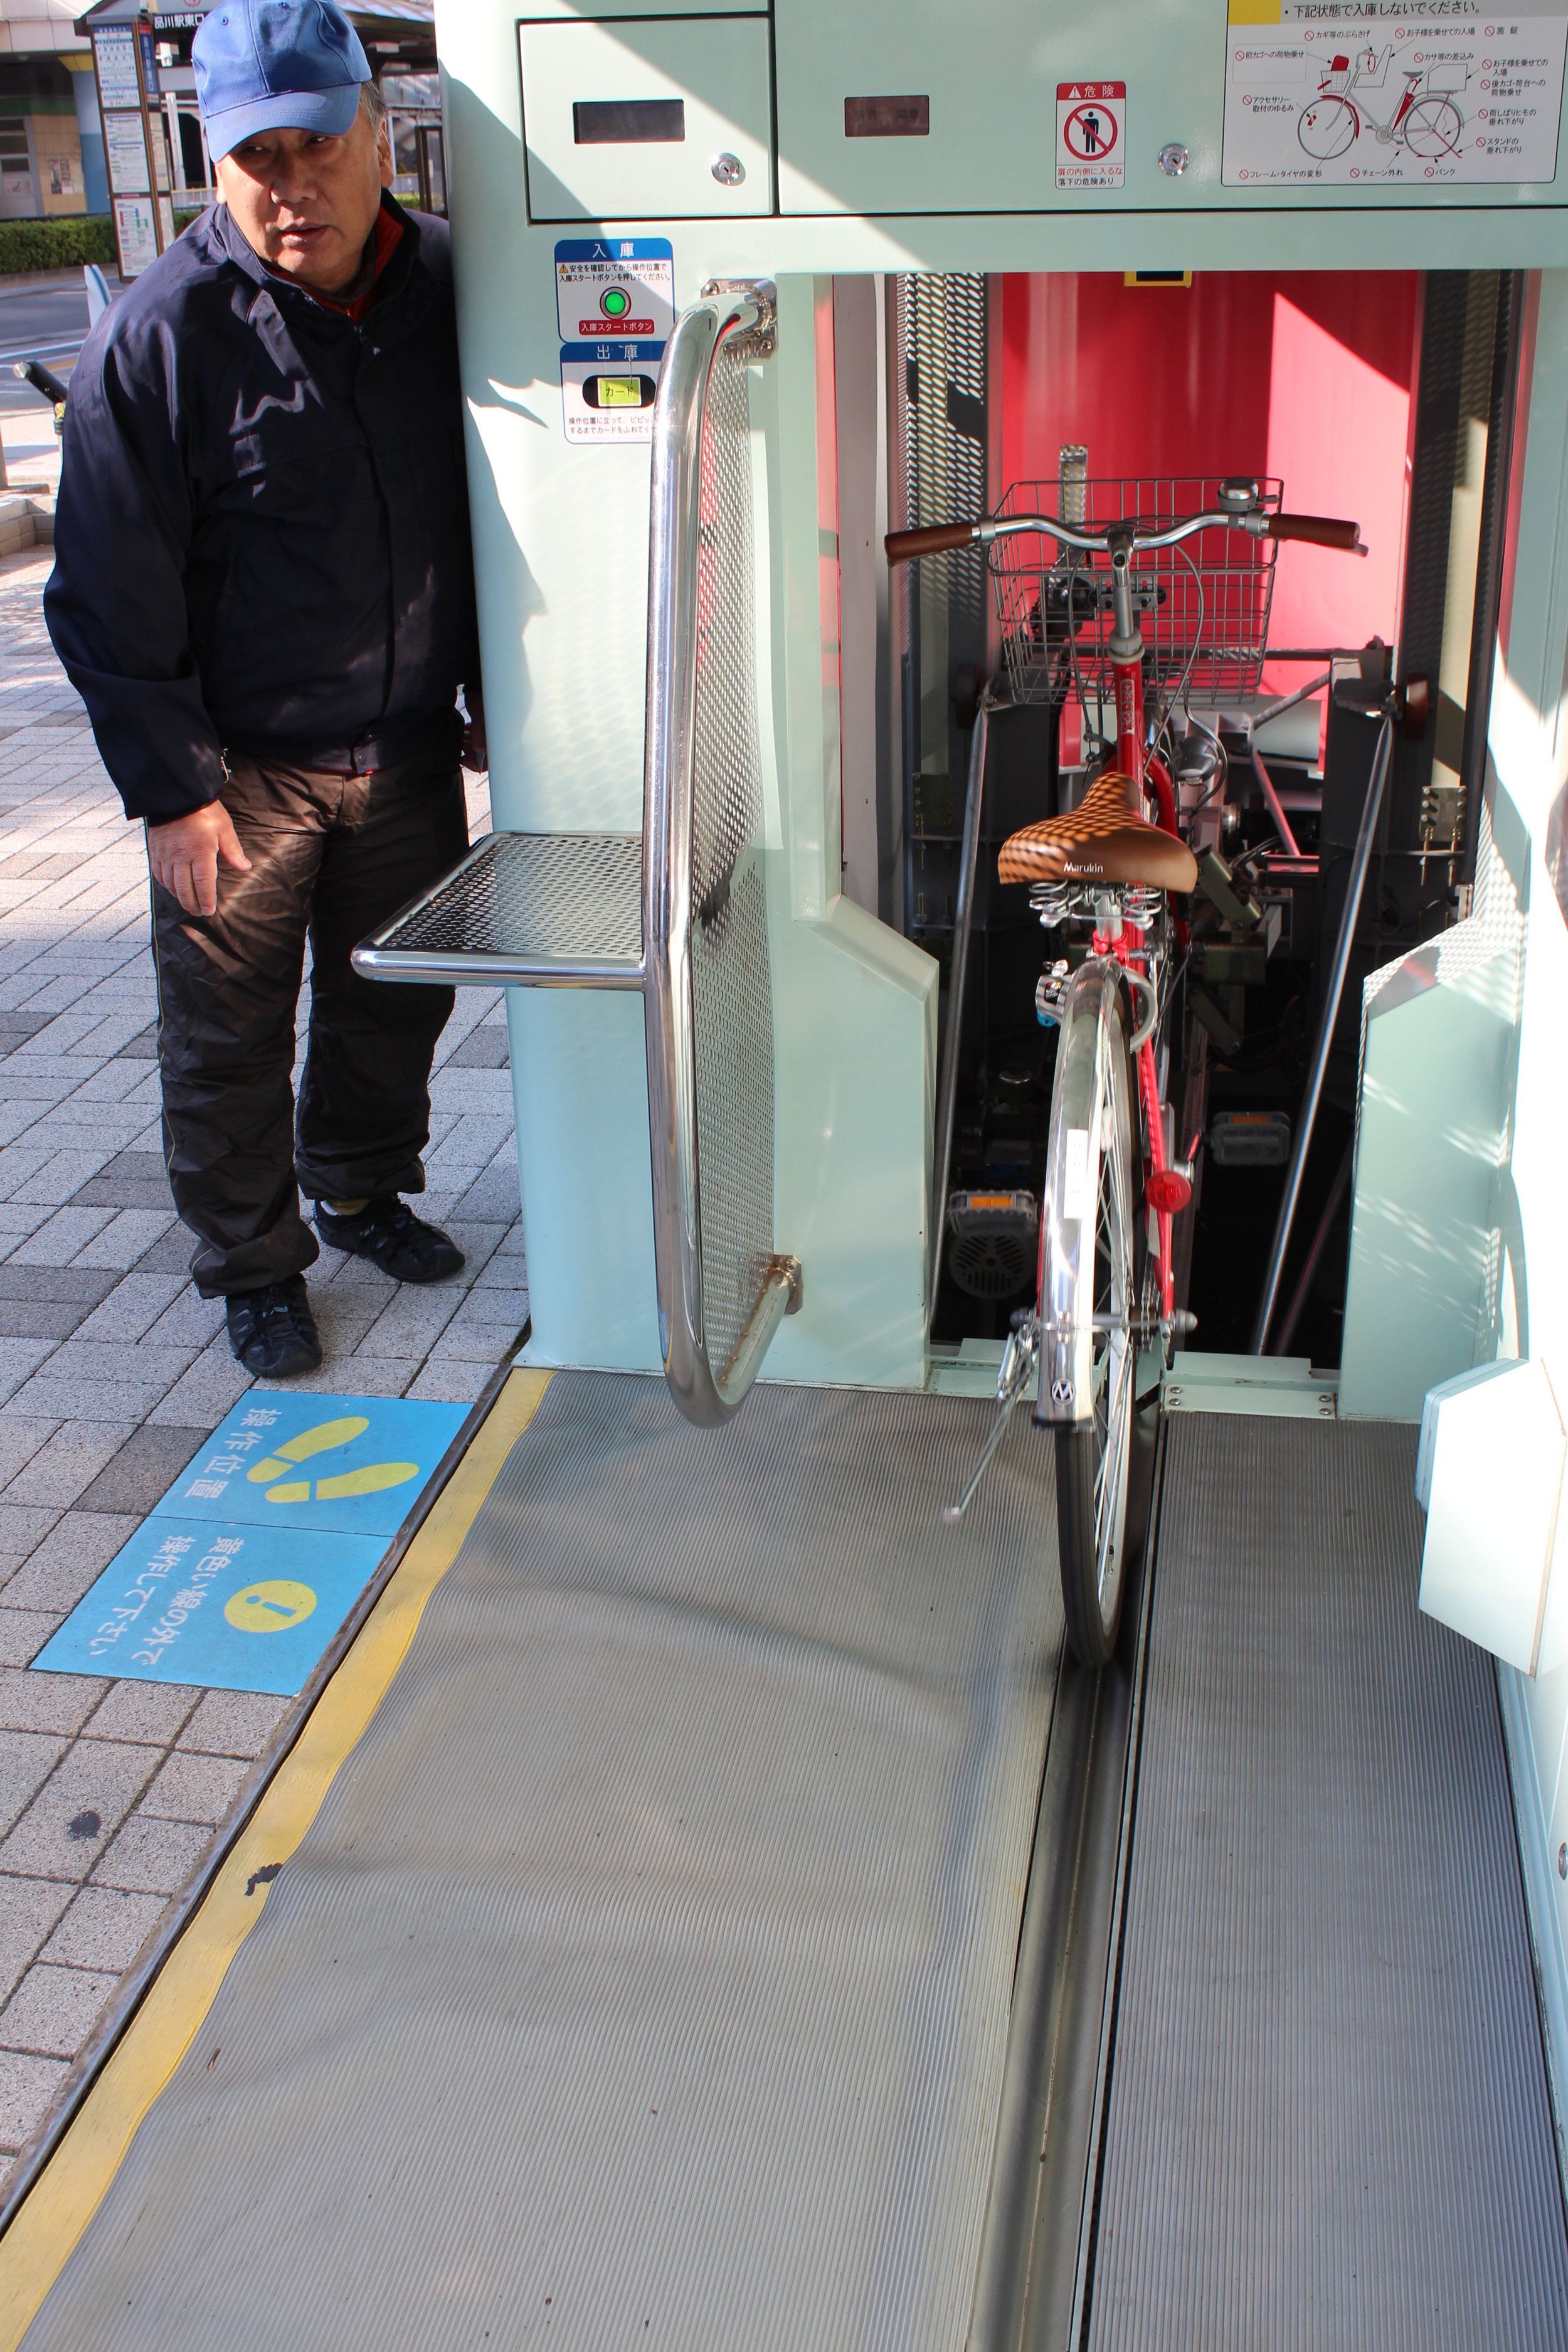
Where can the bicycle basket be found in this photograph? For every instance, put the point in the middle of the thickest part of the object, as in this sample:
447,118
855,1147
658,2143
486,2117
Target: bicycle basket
1202,606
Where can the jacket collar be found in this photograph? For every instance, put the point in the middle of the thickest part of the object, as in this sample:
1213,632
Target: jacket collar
229,244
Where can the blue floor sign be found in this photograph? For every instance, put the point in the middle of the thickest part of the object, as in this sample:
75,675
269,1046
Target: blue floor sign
259,1549
354,1464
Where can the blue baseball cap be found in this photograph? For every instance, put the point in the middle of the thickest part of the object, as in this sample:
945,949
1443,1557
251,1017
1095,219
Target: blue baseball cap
276,65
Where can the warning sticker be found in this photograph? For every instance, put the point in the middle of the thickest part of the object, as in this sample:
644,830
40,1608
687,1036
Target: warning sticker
1370,93
1091,124
620,286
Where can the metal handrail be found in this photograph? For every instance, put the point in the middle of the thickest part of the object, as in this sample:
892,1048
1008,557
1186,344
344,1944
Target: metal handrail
728,312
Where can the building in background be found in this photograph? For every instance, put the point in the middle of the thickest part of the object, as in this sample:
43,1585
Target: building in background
51,133
51,147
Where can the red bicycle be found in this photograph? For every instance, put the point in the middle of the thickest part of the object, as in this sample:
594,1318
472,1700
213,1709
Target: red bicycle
1113,1185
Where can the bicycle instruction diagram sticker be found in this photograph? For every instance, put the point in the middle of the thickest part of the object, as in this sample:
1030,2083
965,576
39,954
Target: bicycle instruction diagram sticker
1091,133
1373,94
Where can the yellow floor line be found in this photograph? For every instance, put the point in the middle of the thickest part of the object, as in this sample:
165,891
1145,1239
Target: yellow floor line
35,2249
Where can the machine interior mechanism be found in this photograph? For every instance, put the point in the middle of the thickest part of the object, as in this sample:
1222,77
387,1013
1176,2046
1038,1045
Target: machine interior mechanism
739,1888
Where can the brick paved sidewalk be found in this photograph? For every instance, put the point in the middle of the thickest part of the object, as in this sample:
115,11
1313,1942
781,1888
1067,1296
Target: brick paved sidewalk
112,1371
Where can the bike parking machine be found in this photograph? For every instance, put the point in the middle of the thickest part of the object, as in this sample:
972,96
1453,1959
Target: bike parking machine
1109,956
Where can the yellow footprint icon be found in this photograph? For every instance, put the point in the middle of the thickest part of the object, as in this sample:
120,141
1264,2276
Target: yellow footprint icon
372,1478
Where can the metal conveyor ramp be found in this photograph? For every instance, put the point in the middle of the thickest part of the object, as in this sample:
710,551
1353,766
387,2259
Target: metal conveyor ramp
644,1978
1327,2119
635,1946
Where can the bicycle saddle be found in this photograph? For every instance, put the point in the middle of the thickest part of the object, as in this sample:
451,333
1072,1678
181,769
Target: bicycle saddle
1101,841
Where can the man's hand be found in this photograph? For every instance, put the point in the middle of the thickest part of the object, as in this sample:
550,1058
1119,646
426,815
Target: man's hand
185,855
475,752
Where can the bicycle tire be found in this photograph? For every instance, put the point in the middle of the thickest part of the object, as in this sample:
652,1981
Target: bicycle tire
1093,1459
1327,127
1439,124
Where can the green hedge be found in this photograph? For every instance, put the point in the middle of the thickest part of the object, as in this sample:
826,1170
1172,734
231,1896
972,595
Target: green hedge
56,244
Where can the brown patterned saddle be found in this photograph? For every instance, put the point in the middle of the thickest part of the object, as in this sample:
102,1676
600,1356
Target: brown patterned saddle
1103,840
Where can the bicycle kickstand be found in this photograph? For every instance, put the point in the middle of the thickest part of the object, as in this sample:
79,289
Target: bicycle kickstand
1020,1360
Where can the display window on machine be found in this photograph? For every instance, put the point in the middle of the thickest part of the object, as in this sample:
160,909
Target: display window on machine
619,391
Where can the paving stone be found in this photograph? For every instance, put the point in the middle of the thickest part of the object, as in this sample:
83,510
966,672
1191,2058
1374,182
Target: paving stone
16,1028
145,1466
54,2009
43,1318
72,1285
69,1463
493,1197
149,1712
188,1320
410,1323
346,1373
104,1927
64,1178
448,1381
200,1398
234,1723
143,1047
139,1363
29,1909
133,1307
193,1789
484,1048
27,1759
70,1398
19,1359
171,1253
24,1631
57,1239
35,1701
18,1223
27,2087
151,1857
77,1548
131,1180
22,1530
71,1820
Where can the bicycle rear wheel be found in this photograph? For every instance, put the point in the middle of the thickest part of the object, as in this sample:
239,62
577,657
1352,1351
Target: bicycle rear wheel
1093,1456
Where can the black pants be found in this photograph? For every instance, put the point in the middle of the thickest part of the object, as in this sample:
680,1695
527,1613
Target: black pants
332,856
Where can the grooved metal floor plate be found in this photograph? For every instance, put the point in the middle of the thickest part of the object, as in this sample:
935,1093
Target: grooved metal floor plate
644,1979
1328,2121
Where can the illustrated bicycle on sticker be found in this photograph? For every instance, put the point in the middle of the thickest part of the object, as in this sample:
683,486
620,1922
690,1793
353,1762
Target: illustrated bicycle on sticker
1428,118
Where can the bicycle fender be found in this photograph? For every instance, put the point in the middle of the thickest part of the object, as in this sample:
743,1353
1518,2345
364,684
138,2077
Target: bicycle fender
1092,1023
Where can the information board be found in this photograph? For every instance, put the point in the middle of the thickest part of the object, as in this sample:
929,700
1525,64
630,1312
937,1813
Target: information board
125,149
1367,94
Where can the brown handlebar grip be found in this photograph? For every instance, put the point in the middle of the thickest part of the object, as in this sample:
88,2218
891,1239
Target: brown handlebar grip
902,546
1321,531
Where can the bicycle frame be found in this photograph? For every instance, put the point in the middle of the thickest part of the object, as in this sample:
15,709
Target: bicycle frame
1126,944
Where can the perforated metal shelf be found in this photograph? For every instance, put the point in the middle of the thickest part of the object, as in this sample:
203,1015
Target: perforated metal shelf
546,909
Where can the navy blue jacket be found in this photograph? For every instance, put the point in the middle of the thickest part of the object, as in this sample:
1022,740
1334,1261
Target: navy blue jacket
262,535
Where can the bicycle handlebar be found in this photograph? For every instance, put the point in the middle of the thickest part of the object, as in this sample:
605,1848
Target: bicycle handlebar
1320,531
904,546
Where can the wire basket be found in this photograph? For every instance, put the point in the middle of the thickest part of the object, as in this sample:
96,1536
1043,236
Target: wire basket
1202,606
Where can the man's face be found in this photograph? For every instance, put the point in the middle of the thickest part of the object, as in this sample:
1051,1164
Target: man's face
306,203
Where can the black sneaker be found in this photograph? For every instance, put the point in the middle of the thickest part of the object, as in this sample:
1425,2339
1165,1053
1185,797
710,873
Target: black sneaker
387,1231
273,1331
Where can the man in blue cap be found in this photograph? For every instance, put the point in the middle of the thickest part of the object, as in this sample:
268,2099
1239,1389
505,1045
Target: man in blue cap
263,591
